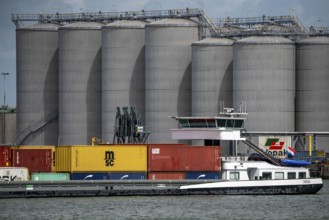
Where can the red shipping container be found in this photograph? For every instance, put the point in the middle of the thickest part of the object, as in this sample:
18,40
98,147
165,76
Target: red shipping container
184,159
39,160
166,176
5,156
167,145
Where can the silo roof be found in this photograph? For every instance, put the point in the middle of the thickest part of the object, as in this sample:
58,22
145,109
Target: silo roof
174,22
41,27
314,40
214,42
134,24
83,26
264,40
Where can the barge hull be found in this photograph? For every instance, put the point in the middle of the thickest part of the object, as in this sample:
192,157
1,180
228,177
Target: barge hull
32,189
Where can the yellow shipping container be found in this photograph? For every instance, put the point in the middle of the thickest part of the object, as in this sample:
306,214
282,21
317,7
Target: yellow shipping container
38,147
320,153
113,158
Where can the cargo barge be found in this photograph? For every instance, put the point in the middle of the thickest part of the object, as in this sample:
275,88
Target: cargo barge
238,175
239,178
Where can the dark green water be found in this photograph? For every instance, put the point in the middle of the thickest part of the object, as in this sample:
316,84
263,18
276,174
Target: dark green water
171,207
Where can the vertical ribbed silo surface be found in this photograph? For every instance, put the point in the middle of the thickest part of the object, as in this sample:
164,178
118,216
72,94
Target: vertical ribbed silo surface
123,71
212,73
167,74
80,64
312,80
264,78
37,84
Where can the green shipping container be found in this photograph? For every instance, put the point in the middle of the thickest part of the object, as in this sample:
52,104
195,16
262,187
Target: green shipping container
50,176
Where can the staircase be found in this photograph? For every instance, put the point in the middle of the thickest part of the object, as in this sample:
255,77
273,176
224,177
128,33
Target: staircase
33,128
260,151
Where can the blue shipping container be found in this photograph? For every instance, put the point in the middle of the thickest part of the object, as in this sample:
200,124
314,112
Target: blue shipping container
127,176
89,176
203,175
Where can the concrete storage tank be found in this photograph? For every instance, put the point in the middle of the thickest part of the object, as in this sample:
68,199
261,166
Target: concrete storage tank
80,64
212,73
37,84
312,91
167,74
123,71
212,85
264,78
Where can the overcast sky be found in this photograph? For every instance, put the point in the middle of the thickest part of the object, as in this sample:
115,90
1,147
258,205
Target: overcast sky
310,12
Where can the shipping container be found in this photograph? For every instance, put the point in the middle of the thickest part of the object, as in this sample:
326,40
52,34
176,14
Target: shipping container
50,176
39,147
184,159
167,145
166,175
320,153
128,176
203,175
37,160
90,176
5,156
14,174
112,158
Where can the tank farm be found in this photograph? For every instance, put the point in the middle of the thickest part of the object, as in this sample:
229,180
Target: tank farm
95,93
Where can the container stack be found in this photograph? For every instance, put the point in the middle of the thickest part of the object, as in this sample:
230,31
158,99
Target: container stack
102,162
166,162
110,162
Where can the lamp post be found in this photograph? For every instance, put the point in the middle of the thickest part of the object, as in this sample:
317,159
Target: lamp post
4,88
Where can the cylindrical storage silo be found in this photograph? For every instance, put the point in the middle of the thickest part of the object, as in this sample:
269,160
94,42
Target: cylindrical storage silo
37,84
123,71
212,85
264,78
212,73
312,91
80,64
167,74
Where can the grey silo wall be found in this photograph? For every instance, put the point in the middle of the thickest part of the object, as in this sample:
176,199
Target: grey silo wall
7,128
123,71
79,83
264,78
312,91
167,74
37,81
212,73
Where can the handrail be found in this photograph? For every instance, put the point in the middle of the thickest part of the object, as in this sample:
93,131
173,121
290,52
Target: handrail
219,27
104,16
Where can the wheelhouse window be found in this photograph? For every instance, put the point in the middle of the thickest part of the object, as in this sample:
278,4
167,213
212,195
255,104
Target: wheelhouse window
221,123
279,175
234,175
197,123
238,123
184,123
267,176
302,175
291,175
230,123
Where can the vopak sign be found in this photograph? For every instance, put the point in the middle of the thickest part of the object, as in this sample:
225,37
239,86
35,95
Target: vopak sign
276,146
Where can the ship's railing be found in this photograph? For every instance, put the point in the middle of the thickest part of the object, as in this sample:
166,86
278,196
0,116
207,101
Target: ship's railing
234,158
